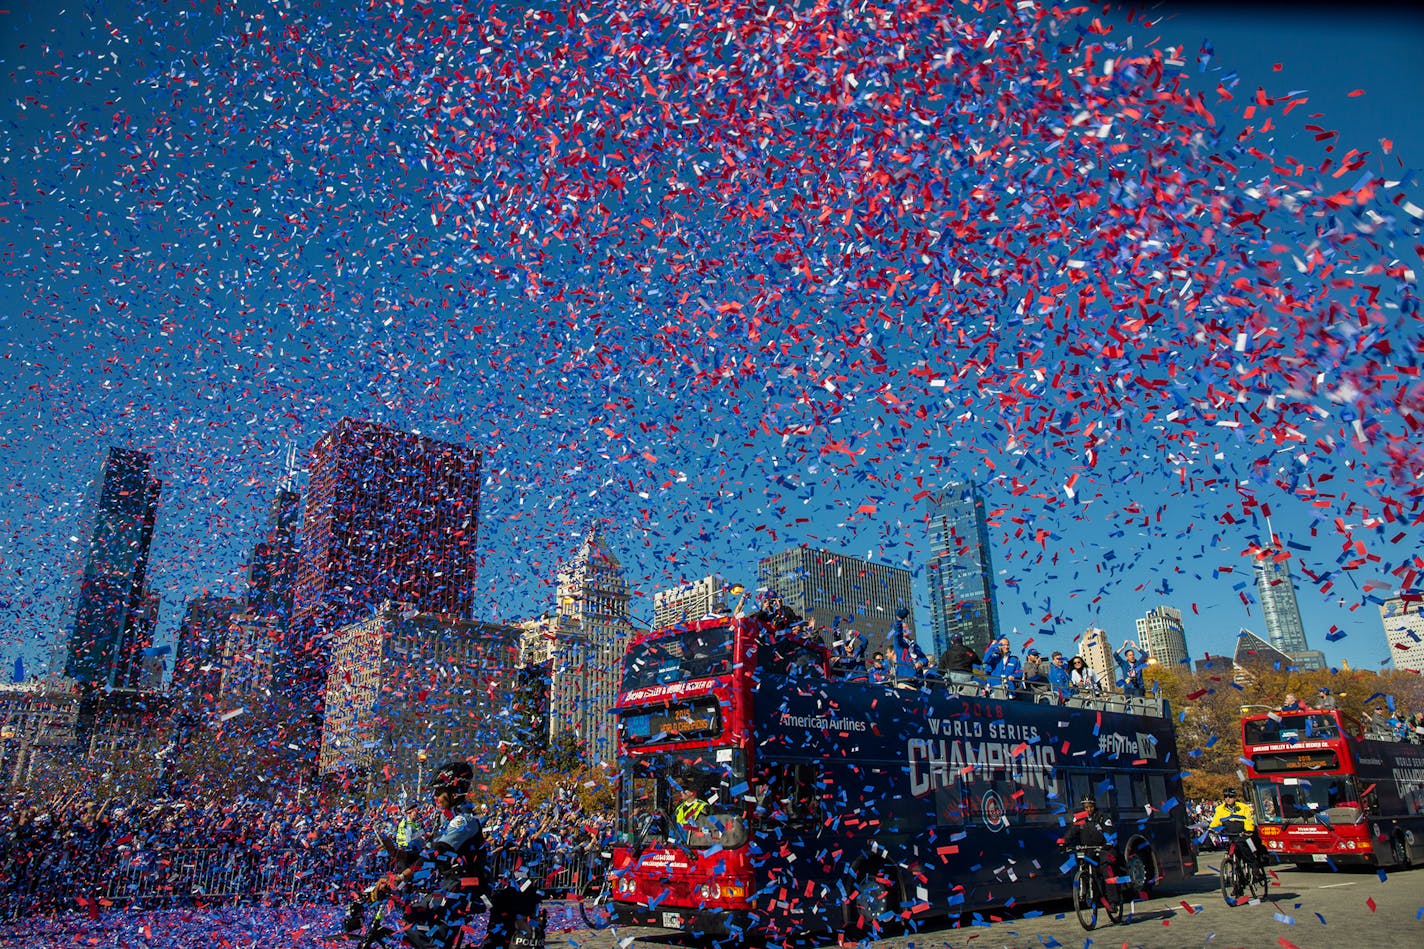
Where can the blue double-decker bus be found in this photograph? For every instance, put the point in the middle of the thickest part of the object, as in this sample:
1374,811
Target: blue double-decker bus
762,790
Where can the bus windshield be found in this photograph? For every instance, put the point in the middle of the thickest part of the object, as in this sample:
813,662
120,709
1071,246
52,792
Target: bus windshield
1312,727
1332,799
678,657
685,800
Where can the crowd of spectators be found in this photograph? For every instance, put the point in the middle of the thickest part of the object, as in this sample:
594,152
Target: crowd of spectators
68,852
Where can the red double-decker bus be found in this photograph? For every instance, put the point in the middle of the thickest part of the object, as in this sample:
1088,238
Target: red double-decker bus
764,791
1325,795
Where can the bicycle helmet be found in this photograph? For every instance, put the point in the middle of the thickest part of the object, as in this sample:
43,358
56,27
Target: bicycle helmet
1088,799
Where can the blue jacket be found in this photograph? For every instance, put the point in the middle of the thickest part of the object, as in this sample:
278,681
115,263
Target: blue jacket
1131,671
907,653
1004,669
1059,679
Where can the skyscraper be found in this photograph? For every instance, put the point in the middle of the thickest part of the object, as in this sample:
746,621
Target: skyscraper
272,569
961,573
590,631
839,591
1163,636
1276,590
1404,631
197,664
113,611
689,601
1097,652
389,516
408,691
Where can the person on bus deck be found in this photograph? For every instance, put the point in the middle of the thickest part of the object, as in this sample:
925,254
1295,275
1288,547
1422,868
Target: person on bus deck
1083,680
851,654
1326,702
878,670
1291,704
1058,678
910,661
1234,816
1092,828
958,661
773,611
1035,670
1131,667
1003,666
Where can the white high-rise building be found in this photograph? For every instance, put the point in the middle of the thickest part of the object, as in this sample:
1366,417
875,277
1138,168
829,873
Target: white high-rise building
1097,652
690,601
590,638
1164,637
1404,629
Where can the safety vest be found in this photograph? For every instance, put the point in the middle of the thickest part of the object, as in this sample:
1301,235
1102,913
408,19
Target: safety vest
406,832
689,811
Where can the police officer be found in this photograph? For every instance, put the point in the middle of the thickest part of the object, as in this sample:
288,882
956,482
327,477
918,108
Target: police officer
453,868
1233,817
1092,828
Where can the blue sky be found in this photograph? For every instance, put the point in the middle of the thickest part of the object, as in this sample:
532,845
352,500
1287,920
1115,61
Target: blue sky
214,248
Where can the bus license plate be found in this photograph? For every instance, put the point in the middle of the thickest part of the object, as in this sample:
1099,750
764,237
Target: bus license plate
672,921
1320,857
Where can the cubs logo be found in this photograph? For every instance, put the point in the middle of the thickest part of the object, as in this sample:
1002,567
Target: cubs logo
991,806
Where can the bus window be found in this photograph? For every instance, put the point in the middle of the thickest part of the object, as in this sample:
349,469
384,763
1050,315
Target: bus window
1103,791
1032,803
1133,797
792,791
1309,799
1157,791
1266,800
1081,788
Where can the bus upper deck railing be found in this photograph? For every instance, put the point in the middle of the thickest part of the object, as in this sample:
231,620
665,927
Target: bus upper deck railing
1034,692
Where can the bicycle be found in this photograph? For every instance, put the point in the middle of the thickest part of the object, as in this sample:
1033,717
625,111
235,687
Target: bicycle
1243,876
1091,890
597,910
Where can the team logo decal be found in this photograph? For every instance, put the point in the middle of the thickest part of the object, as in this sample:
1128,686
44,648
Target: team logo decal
992,807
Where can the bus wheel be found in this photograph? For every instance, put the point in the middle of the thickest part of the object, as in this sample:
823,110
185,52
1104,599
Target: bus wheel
1399,850
1140,870
877,897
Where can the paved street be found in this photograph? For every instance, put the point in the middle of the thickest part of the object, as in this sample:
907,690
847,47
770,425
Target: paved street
1187,916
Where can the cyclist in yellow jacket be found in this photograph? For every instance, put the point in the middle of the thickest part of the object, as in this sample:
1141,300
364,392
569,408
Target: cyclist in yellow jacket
1232,817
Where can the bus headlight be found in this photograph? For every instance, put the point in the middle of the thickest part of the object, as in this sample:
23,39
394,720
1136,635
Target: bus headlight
710,891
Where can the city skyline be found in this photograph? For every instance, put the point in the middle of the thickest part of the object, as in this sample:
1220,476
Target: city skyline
712,393
279,521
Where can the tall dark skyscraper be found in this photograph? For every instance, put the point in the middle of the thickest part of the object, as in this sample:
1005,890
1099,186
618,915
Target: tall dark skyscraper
389,516
961,574
272,570
1276,588
113,610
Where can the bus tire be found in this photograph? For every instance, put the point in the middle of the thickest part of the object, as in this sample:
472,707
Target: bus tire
878,891
1399,852
1141,869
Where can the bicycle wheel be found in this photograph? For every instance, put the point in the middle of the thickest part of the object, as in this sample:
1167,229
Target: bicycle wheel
596,911
1085,902
1230,881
